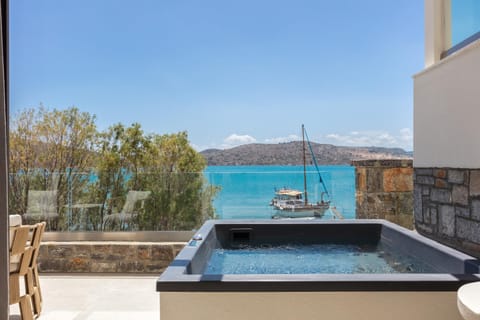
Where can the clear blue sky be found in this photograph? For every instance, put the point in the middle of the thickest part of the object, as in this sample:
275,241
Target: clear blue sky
226,71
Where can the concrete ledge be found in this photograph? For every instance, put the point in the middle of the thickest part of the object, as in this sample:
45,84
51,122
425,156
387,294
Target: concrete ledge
128,236
396,163
107,256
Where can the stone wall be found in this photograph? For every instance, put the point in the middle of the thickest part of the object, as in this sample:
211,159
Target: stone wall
384,190
447,206
99,256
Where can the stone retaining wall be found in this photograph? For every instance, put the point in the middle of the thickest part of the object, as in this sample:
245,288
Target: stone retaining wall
99,256
447,206
384,190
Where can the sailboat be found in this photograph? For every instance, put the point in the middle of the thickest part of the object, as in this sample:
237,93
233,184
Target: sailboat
292,203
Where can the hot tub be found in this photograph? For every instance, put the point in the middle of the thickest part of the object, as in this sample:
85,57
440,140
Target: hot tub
417,278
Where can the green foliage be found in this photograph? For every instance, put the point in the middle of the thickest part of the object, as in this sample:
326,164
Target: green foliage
48,150
61,149
23,140
167,166
181,198
110,170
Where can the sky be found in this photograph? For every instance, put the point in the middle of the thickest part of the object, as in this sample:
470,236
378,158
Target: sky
228,72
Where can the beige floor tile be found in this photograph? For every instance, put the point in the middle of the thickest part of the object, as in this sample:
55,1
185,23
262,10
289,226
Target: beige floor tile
97,297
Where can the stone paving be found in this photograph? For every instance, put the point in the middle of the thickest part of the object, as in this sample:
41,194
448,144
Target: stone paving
97,297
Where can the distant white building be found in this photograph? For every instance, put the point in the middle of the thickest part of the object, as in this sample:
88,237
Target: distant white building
447,126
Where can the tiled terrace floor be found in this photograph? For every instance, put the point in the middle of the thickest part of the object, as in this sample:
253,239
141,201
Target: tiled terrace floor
97,297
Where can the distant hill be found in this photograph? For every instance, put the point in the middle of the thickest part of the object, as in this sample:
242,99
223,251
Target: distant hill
290,153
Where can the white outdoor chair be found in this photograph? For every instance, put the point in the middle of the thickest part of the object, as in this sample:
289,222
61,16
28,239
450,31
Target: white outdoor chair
41,206
129,211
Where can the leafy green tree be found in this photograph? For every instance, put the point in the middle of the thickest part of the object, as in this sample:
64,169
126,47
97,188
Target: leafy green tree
121,155
135,147
23,162
51,150
178,186
68,138
110,172
62,150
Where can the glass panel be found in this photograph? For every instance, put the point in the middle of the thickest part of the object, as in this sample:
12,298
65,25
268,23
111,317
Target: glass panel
246,192
108,201
465,19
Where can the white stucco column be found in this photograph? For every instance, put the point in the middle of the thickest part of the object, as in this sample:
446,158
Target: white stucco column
437,30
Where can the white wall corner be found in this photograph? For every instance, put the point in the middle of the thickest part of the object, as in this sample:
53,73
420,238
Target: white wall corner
446,112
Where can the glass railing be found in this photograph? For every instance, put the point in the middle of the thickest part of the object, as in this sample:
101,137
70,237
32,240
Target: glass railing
146,201
246,192
465,21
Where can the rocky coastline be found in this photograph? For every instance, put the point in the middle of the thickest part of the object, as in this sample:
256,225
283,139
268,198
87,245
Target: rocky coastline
290,153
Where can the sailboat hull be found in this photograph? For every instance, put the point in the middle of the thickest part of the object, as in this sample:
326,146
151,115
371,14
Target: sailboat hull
301,210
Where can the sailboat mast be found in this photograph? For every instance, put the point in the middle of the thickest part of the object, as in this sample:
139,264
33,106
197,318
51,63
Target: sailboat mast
304,166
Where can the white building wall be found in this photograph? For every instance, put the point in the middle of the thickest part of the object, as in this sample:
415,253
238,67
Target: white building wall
447,112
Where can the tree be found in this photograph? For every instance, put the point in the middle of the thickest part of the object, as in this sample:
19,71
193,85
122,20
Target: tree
177,183
22,162
166,165
51,150
68,138
62,150
134,149
121,155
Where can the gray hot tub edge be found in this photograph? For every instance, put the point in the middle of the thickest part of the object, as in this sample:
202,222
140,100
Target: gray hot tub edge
185,273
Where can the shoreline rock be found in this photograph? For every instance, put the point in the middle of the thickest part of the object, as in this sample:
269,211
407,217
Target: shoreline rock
290,153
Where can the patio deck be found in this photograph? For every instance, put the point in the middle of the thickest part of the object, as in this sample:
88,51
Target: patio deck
97,297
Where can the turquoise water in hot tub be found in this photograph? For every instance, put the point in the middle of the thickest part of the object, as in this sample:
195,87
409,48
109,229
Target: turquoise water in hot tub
312,259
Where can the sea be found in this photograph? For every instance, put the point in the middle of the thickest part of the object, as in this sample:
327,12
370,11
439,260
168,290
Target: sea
246,191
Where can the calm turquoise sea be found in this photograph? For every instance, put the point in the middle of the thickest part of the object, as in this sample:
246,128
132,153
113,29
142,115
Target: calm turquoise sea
246,191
